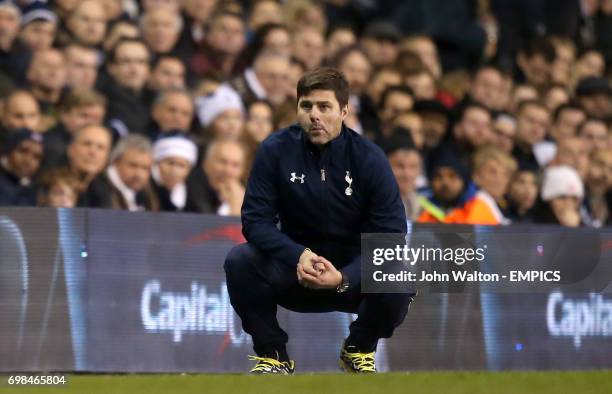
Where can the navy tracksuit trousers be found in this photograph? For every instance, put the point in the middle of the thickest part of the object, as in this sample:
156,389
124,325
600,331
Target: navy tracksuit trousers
257,285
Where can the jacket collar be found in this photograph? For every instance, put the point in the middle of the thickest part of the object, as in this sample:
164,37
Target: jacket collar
336,143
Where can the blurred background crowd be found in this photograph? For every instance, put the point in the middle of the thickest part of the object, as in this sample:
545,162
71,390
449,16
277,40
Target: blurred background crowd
490,111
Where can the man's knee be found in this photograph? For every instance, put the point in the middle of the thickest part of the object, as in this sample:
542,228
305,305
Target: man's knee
237,260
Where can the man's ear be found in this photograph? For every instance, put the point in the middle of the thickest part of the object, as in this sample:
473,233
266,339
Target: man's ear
344,112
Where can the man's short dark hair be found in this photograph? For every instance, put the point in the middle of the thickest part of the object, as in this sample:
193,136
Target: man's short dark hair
565,106
112,56
540,46
389,90
324,78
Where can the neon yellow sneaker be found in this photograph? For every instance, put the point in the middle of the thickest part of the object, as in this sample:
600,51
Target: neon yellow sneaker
266,365
355,362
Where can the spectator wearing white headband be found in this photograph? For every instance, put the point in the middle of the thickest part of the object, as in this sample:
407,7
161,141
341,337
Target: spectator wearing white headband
221,114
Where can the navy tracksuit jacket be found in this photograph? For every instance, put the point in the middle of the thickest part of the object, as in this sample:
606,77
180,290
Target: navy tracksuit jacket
323,199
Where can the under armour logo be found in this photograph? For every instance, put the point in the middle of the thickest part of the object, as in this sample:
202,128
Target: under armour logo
295,178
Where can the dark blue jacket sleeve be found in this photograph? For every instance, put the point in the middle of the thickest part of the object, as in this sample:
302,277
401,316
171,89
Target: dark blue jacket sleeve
260,210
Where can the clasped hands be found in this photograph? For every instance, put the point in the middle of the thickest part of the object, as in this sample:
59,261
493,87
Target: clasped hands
316,272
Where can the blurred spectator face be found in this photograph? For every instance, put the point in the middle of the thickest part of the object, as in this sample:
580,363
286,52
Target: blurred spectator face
523,190
505,131
447,185
590,64
595,133
412,122
523,93
38,34
555,97
273,74
199,10
422,84
380,52
67,6
536,69
169,73
225,163
381,80
561,206
434,128
573,152
226,35
493,178
173,171
339,39
356,68
308,47
61,195
174,112
278,41
119,31
264,12
134,168
131,65
88,22
169,5
562,66
532,124
426,49
112,9
598,105
259,123
600,171
79,117
47,70
21,110
486,87
567,123
81,66
25,159
406,166
89,150
475,127
161,28
228,125
395,104
9,26
295,73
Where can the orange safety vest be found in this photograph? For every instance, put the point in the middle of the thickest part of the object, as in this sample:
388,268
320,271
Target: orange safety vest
481,209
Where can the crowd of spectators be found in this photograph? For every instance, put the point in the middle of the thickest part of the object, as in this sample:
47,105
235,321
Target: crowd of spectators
490,111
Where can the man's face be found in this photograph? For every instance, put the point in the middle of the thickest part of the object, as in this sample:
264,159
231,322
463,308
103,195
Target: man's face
260,121
434,127
175,112
396,104
574,152
227,35
9,27
381,81
38,34
487,86
79,117
265,12
25,159
22,111
475,127
200,10
532,124
597,105
81,67
537,70
380,52
320,116
447,185
168,73
493,178
224,164
48,69
423,86
428,53
524,189
309,47
173,171
339,39
567,123
131,66
88,153
505,132
88,22
134,168
273,74
278,41
596,135
161,29
356,68
406,166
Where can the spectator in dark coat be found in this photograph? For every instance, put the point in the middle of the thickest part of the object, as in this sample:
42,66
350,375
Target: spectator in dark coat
19,163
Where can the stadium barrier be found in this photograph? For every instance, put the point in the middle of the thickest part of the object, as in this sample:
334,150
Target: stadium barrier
108,291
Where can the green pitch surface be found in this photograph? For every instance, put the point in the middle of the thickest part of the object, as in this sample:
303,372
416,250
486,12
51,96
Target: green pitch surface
416,382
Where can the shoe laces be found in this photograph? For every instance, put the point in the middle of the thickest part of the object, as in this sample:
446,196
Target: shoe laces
263,362
363,361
